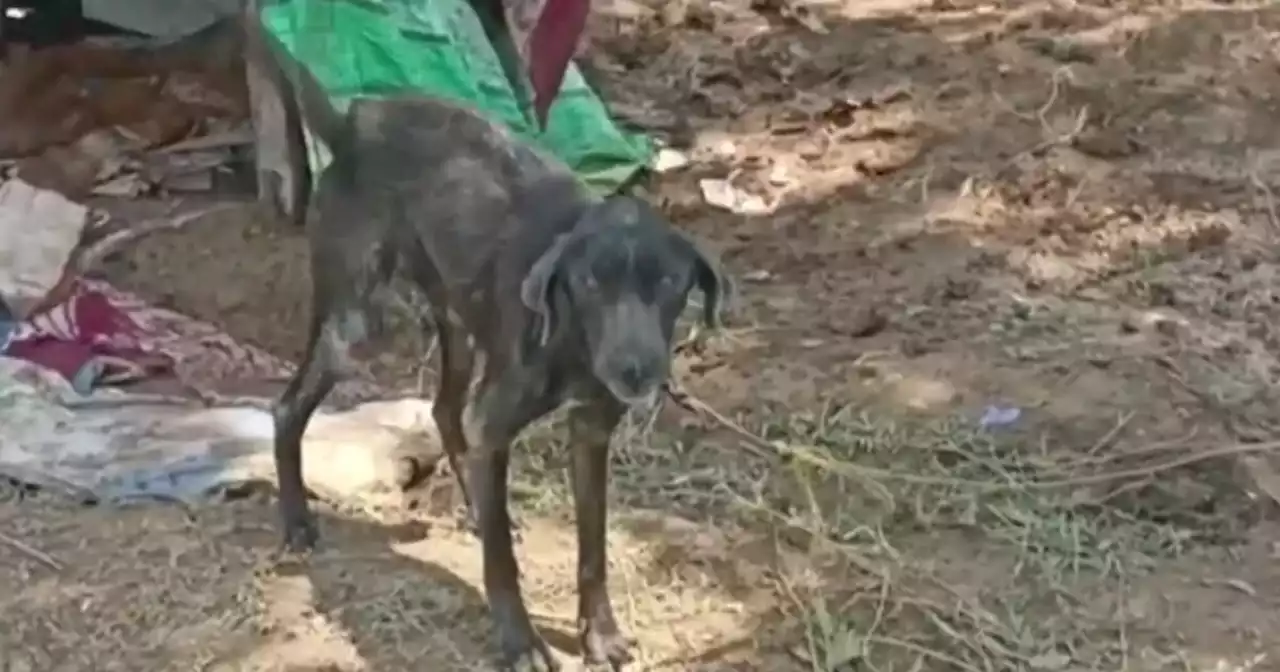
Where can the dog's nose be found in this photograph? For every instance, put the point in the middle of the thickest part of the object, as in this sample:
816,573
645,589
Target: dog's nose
632,375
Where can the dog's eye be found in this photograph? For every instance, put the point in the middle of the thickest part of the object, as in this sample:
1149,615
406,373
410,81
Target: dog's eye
590,283
667,281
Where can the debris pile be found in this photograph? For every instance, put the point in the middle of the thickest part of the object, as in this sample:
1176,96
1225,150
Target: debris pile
126,119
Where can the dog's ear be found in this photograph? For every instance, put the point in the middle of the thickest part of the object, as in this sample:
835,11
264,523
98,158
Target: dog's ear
535,290
717,287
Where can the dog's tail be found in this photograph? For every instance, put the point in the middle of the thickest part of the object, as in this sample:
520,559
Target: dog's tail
309,96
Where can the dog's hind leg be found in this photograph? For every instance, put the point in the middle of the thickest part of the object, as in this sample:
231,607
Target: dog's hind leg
327,349
457,365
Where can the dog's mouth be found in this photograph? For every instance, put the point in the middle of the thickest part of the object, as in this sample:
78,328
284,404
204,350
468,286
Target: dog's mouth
643,397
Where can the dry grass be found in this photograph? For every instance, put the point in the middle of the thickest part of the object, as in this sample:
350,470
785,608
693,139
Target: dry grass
859,496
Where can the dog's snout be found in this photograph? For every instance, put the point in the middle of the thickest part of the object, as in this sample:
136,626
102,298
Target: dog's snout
632,374
632,379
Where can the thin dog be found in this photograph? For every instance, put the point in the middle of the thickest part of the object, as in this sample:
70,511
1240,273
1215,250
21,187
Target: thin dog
564,298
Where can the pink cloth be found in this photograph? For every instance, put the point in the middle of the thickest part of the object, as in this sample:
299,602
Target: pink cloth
203,356
88,340
100,335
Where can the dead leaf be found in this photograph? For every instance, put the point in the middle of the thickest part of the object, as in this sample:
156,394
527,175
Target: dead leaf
1240,585
668,160
722,194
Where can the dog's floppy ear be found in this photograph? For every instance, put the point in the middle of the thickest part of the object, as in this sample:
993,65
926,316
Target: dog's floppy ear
535,290
717,287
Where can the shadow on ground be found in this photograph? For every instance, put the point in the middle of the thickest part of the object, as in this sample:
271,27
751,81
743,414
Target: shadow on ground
163,588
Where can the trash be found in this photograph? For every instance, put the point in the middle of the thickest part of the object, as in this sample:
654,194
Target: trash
722,194
77,115
999,416
121,446
39,230
240,135
668,160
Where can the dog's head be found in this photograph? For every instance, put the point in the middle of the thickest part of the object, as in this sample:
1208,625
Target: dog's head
622,277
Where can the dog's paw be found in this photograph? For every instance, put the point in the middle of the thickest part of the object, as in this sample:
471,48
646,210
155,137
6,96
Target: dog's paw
605,649
534,656
300,534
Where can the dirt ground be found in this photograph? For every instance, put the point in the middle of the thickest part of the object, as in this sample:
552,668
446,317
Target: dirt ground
1063,208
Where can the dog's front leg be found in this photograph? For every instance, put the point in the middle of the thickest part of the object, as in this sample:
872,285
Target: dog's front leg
590,429
500,411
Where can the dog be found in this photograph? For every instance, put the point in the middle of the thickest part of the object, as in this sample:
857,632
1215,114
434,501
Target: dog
554,295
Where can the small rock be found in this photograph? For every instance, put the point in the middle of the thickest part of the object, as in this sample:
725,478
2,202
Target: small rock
1166,326
1160,294
1063,50
914,347
1106,144
867,322
957,289
1213,235
1021,308
867,370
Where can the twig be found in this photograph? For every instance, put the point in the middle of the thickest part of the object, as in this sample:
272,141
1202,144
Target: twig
1111,435
1131,486
93,255
1055,83
1148,449
917,649
44,480
33,553
1092,479
233,138
754,443
1122,618
759,447
1082,119
923,651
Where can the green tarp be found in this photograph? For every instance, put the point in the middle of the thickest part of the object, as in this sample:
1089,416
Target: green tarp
438,47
